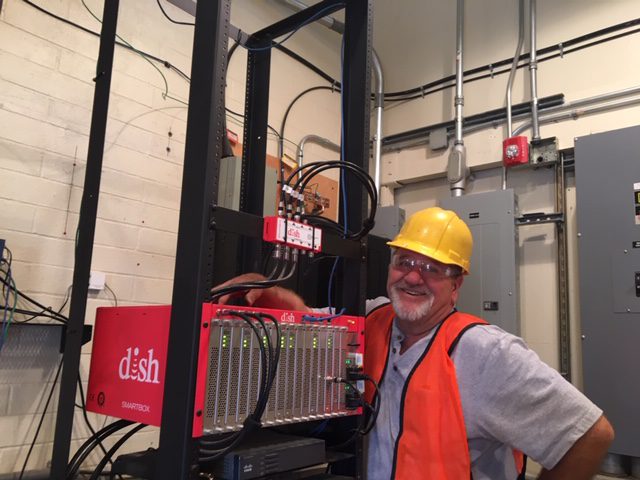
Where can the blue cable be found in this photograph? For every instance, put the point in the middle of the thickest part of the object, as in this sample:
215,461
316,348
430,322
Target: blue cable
342,178
319,14
328,318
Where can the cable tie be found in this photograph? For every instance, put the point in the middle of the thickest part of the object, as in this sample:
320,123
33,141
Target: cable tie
491,70
251,423
561,48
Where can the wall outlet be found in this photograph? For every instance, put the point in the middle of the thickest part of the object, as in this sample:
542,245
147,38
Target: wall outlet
97,280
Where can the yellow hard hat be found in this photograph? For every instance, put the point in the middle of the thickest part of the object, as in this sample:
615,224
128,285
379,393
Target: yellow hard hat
439,234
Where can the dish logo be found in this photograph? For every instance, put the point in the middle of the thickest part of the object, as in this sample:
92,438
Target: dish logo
132,367
287,317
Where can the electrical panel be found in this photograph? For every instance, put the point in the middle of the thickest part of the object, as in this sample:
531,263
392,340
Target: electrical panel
608,213
490,291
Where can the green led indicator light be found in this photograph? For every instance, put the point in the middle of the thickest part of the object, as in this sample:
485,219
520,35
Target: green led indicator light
245,343
348,360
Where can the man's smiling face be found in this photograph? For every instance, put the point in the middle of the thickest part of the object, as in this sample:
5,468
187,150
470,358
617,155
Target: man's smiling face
422,290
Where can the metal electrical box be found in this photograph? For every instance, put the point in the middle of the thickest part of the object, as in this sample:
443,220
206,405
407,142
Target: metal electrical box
389,220
229,185
608,212
491,290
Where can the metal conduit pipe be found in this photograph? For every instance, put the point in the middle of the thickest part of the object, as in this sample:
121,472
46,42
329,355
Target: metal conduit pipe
533,70
566,106
514,65
579,112
512,75
378,102
457,168
317,139
338,27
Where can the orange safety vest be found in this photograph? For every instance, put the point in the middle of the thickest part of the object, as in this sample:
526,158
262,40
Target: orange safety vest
432,440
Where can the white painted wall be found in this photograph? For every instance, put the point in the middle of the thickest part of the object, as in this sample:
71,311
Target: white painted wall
46,94
491,35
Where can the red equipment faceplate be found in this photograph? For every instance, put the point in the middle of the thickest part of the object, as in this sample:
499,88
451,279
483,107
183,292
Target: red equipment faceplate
129,357
128,360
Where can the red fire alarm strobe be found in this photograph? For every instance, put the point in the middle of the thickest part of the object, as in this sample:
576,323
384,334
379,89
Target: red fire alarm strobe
515,151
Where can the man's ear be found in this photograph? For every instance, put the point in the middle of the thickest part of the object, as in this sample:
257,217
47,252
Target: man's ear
457,283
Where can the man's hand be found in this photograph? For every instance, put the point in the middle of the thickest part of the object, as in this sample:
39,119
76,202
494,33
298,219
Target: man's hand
582,460
273,297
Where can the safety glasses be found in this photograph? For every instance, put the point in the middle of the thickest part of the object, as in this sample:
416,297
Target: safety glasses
427,268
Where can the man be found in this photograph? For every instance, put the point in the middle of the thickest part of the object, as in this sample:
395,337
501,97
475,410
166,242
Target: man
459,398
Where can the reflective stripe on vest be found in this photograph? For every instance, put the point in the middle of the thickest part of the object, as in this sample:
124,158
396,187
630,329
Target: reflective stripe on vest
432,440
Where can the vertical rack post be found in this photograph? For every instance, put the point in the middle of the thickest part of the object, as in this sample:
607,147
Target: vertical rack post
194,255
84,246
356,110
254,151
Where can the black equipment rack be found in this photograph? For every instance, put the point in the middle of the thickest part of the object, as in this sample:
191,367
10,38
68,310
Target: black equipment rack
200,220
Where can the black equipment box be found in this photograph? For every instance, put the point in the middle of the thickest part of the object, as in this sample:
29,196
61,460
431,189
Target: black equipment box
268,452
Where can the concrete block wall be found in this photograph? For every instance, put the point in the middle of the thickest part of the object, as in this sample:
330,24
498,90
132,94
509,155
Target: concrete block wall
46,94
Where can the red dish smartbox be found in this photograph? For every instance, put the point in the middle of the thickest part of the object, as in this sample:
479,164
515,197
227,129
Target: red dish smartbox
129,361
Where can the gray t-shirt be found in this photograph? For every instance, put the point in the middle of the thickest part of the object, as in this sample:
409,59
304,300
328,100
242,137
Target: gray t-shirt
510,399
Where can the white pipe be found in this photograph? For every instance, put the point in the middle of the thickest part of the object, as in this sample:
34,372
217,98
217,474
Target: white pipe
533,70
313,139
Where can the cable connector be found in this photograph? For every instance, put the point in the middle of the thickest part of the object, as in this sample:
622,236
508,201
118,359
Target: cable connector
355,374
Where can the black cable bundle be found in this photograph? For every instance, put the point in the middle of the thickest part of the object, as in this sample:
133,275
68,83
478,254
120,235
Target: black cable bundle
92,442
212,450
107,457
310,170
273,279
365,426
